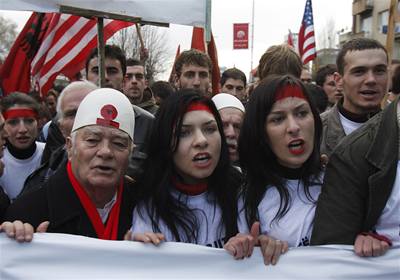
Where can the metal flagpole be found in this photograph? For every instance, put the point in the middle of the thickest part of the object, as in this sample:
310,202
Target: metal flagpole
252,37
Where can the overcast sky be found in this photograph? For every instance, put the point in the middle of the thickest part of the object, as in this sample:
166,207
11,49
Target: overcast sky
272,19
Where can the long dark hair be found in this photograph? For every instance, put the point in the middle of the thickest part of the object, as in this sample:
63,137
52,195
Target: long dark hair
155,183
258,161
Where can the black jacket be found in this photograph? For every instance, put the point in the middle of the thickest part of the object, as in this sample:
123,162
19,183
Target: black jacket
58,203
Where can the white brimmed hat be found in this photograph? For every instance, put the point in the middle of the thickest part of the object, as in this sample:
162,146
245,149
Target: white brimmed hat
106,107
225,100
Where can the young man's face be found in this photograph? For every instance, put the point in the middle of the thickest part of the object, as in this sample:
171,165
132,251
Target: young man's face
364,80
194,76
114,75
235,87
134,83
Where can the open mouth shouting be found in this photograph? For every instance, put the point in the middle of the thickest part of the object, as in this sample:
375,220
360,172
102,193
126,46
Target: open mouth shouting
296,147
202,160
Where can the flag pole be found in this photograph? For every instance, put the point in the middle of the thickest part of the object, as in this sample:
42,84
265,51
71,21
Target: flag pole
100,49
252,38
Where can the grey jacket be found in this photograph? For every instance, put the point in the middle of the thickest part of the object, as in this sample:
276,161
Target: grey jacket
332,132
358,180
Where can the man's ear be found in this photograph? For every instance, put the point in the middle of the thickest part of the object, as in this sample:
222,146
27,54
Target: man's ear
337,77
68,145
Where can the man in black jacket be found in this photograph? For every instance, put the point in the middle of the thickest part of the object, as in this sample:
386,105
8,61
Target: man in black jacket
90,196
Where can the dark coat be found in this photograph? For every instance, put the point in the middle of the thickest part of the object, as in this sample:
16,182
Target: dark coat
58,203
358,181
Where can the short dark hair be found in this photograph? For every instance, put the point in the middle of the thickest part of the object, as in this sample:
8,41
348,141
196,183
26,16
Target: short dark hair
233,73
110,51
133,62
162,89
357,44
323,72
318,96
19,98
192,57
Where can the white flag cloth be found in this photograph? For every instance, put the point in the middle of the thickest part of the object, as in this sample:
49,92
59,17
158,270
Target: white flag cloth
186,12
61,256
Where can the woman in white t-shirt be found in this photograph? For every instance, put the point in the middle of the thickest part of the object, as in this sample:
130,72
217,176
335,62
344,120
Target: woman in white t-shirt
188,191
279,155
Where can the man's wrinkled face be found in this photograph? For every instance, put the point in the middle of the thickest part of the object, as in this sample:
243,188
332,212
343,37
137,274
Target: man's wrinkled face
99,156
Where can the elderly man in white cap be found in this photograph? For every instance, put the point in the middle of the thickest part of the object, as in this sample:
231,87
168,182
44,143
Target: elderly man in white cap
232,112
90,196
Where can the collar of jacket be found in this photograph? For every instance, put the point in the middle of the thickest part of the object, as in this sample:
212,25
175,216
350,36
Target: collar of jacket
384,146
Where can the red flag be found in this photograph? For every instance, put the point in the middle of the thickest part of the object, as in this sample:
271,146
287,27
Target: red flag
307,48
15,72
240,36
171,79
65,43
198,43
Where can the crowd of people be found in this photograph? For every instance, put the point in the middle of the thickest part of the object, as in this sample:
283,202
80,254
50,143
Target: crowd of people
282,162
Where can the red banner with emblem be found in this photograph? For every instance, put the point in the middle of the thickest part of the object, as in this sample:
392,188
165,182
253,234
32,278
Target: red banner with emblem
240,36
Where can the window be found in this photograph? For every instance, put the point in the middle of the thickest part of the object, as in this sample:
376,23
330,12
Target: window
383,20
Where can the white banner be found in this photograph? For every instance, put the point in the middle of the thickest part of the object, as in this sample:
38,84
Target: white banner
61,256
186,12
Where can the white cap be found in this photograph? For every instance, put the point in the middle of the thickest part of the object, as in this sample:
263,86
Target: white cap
106,107
225,100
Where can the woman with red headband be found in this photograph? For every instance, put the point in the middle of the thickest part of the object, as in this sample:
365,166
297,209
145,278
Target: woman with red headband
22,154
279,155
188,189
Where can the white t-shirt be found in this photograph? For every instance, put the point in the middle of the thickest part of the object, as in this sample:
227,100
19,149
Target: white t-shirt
296,225
17,170
211,230
389,222
348,125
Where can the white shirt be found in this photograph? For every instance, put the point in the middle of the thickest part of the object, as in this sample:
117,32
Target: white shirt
389,222
348,125
295,226
211,230
17,170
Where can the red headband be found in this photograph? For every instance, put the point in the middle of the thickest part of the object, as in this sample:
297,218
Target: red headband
289,91
19,113
198,106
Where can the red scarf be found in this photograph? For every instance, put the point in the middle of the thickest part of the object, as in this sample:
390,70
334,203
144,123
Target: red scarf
110,231
195,189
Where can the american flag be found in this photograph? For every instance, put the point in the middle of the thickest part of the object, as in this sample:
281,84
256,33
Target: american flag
307,48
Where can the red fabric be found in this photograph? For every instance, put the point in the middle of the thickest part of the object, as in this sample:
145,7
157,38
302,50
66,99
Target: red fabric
110,231
196,106
15,72
19,113
198,43
51,44
289,91
189,189
306,39
173,73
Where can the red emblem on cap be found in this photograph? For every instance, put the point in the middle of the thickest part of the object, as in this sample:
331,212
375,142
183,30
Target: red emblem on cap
109,112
